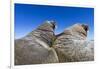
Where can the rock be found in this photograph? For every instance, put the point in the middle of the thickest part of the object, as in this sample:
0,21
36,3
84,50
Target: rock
35,48
72,46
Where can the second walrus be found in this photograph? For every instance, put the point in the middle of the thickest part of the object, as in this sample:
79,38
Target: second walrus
72,46
35,48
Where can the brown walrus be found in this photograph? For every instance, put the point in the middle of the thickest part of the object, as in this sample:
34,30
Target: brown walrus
35,48
72,46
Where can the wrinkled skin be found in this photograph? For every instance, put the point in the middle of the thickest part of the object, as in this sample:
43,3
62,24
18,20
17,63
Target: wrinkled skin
72,46
42,46
35,47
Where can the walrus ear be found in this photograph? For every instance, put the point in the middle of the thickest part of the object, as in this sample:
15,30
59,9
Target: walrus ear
86,27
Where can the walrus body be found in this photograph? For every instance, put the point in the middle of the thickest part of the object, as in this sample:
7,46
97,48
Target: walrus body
72,46
40,46
35,47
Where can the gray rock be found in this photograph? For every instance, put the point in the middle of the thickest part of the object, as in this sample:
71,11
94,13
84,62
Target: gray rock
72,46
35,48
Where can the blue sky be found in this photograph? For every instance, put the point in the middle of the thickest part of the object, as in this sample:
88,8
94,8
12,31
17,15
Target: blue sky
29,16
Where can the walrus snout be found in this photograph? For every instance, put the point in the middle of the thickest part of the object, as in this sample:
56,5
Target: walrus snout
86,27
53,23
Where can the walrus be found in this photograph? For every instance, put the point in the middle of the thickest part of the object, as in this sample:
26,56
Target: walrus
72,44
35,48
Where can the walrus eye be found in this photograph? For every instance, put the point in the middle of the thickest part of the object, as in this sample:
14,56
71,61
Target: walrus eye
86,28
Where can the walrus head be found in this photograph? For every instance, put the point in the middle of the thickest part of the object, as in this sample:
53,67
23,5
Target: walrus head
81,29
86,28
47,26
77,30
52,23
